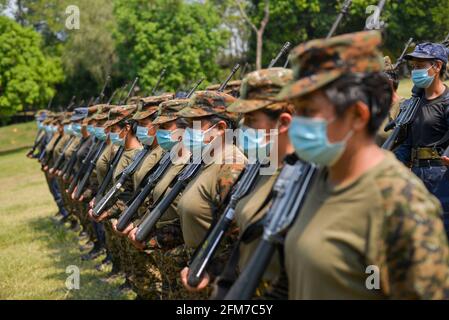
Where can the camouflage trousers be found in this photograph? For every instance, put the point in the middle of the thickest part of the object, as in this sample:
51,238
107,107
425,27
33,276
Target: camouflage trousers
113,245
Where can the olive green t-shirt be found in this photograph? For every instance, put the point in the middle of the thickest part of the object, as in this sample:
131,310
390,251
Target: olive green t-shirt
125,160
163,187
72,147
150,161
385,219
102,165
249,210
205,194
59,147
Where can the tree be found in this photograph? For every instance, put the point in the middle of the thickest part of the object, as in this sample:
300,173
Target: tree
258,31
27,76
185,38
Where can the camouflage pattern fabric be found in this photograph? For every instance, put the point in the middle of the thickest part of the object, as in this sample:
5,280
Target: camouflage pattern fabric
318,62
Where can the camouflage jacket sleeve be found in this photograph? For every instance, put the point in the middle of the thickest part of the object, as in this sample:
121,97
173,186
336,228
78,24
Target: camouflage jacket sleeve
413,251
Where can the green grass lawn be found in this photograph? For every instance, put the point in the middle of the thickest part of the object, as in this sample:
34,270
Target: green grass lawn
34,252
17,136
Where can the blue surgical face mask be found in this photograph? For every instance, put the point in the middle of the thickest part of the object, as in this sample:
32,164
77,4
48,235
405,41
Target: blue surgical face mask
194,139
309,138
40,125
142,135
68,129
165,140
54,129
253,142
100,134
76,127
115,139
90,129
421,78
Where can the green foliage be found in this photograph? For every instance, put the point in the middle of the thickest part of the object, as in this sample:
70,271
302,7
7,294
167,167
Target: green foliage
183,37
27,76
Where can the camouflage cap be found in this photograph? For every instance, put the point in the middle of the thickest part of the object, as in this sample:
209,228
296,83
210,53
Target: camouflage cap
207,103
316,63
102,112
91,111
119,113
67,117
231,87
41,115
149,105
169,110
259,88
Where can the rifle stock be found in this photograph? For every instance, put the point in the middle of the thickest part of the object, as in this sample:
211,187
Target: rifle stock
290,191
212,241
153,179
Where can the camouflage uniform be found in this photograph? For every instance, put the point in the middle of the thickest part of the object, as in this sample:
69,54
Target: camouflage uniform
204,196
257,92
385,218
113,241
232,88
149,282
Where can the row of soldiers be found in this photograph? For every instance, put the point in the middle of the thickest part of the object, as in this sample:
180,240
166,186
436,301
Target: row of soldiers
362,207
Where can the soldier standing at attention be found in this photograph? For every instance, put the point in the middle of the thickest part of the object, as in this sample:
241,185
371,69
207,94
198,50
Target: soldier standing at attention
364,208
428,133
260,112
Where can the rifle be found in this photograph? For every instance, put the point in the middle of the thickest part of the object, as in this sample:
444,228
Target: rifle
224,84
183,179
194,88
343,12
61,157
112,96
281,53
161,76
130,91
210,244
150,183
289,193
43,161
243,70
107,179
101,96
90,167
37,142
68,166
84,163
446,40
401,57
109,199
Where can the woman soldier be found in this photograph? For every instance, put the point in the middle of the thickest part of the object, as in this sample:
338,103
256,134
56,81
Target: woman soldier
368,229
262,113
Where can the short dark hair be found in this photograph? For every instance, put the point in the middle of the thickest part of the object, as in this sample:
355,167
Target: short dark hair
214,119
373,89
182,123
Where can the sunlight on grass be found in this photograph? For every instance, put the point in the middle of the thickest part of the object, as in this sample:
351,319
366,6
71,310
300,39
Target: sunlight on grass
34,253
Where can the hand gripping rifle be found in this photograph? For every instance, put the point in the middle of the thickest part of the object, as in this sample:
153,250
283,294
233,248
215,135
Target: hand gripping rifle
111,197
285,48
88,171
150,183
289,193
211,243
343,12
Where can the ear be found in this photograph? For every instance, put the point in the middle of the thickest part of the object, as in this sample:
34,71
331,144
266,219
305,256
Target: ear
438,65
362,116
285,120
222,126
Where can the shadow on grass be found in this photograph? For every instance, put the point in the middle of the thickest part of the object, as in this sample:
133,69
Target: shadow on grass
10,151
64,251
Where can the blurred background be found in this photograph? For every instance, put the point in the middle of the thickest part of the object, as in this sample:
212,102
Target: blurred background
42,59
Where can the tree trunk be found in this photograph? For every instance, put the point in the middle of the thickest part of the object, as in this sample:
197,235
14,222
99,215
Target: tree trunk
259,49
